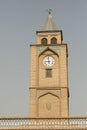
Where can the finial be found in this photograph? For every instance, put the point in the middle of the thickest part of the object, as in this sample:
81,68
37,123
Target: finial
49,11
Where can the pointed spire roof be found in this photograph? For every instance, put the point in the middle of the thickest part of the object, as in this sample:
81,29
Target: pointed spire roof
49,24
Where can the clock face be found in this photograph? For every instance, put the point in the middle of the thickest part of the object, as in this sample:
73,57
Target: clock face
48,61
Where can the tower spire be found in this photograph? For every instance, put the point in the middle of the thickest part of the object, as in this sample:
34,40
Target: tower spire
49,24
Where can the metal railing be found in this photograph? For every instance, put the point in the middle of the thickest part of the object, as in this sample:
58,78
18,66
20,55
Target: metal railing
44,123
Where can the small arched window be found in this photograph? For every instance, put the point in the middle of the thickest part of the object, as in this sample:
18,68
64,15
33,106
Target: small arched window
53,40
44,41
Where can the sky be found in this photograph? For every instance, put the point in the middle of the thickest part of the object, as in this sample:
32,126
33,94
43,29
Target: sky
19,21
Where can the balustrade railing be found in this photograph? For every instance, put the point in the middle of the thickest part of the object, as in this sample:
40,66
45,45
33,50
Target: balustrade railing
44,123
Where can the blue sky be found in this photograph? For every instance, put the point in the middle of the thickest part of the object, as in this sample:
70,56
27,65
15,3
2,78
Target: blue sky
19,21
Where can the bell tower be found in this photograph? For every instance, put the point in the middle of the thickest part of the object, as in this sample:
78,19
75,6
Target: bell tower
49,94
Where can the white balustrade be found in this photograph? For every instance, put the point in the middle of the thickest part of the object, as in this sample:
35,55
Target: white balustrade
43,123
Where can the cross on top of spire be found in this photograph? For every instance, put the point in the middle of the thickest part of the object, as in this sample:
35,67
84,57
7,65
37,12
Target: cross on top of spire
49,11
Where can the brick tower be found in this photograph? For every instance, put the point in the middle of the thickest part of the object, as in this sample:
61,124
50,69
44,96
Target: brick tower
49,95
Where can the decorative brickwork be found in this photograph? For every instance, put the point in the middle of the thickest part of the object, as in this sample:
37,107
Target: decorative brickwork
49,94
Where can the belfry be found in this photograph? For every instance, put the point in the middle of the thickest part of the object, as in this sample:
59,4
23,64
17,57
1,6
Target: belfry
49,93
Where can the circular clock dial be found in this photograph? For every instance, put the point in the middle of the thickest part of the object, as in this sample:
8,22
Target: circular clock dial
48,61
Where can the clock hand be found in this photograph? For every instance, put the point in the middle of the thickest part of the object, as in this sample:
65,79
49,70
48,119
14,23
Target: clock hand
48,60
